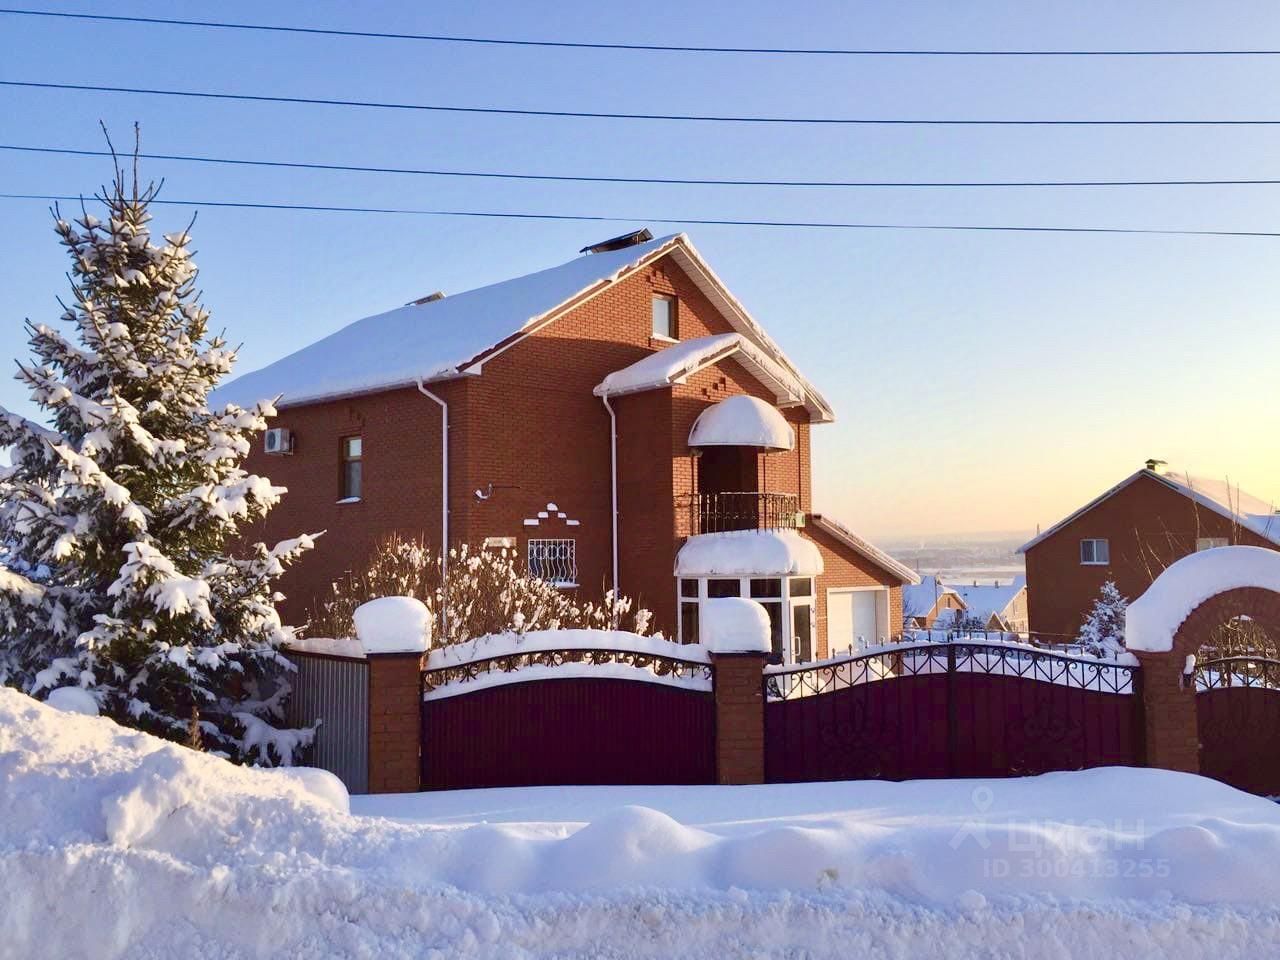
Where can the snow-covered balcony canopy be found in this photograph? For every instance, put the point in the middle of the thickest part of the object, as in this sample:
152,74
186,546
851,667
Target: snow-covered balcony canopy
742,421
775,553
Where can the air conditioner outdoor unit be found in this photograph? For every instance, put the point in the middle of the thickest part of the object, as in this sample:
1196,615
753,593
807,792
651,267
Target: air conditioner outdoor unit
278,440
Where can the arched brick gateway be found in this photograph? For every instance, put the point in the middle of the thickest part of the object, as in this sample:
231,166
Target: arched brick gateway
1221,716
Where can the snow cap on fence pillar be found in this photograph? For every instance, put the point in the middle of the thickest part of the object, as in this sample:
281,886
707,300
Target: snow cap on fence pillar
393,625
1152,621
735,625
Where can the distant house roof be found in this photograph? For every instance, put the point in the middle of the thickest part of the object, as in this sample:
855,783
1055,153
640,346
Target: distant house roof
837,530
987,599
919,599
452,336
1220,496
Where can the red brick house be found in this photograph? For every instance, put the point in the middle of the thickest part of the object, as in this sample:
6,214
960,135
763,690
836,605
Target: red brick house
1132,532
615,419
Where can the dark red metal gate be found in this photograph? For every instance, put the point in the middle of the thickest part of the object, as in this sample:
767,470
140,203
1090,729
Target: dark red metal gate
1238,719
571,729
950,710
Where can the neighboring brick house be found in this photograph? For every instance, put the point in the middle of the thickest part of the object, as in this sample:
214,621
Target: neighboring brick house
928,601
609,419
1130,534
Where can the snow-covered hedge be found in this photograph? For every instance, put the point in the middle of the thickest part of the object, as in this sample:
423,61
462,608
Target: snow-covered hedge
478,592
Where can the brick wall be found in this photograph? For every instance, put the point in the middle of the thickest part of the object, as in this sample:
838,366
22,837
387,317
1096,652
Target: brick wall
1148,526
739,717
395,722
845,567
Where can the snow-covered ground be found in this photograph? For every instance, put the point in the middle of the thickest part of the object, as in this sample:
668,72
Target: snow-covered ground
114,844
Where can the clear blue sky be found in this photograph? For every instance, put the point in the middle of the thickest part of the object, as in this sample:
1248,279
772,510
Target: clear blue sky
981,381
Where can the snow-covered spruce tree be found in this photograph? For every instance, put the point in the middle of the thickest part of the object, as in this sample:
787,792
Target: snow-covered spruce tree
1102,634
115,520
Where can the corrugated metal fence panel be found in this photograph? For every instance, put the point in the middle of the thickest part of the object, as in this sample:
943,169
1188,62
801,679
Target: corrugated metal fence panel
572,730
334,691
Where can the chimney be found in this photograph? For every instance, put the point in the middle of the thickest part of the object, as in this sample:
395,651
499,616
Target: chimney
1157,466
618,243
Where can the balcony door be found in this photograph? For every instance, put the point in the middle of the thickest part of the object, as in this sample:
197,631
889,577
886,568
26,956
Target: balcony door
727,470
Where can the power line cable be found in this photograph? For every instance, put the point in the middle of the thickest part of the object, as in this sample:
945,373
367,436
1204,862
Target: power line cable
582,178
694,221
604,115
645,47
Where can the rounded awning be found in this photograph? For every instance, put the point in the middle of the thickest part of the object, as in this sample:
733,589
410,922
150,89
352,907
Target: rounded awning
741,553
742,421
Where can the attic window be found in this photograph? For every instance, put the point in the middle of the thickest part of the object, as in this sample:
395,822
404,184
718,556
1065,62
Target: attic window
664,316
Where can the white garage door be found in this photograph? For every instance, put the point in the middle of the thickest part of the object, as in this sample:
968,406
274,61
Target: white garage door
853,619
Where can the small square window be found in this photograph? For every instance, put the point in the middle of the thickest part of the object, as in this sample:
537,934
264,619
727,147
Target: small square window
689,588
352,479
802,586
664,316
766,589
724,588
1095,552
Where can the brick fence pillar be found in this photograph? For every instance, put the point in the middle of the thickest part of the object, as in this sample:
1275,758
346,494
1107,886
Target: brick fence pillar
739,680
1169,713
395,722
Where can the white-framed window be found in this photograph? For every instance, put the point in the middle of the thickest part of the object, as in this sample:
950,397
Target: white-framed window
664,316
555,561
1208,543
1095,552
790,629
351,479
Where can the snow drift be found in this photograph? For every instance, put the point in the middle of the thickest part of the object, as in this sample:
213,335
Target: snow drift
115,844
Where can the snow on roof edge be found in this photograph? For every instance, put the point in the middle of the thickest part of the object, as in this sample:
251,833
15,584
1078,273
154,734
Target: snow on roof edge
1174,484
837,529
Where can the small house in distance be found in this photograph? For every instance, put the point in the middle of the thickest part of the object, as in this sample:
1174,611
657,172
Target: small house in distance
995,606
619,420
928,601
1132,532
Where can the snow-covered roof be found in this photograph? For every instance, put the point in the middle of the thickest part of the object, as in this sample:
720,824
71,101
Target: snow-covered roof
834,528
739,553
742,421
919,598
451,336
677,362
1220,496
985,599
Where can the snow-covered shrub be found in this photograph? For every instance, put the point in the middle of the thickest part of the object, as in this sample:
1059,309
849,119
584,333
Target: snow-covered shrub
478,592
1102,634
114,519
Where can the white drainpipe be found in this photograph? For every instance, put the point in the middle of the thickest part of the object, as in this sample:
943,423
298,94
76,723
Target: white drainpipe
444,488
613,485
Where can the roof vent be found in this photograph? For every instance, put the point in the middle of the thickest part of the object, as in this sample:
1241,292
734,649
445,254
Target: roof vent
429,298
1157,466
618,243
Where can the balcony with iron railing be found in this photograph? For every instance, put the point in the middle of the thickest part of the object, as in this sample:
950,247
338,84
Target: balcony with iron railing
741,510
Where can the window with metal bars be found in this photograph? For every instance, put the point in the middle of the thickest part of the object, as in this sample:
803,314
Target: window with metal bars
555,561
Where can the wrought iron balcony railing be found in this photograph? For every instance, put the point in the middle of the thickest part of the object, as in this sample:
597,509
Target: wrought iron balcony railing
742,510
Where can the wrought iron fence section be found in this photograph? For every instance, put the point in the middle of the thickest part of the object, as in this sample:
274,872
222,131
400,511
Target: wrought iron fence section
741,510
1238,671
908,660
1104,676
826,676
510,663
